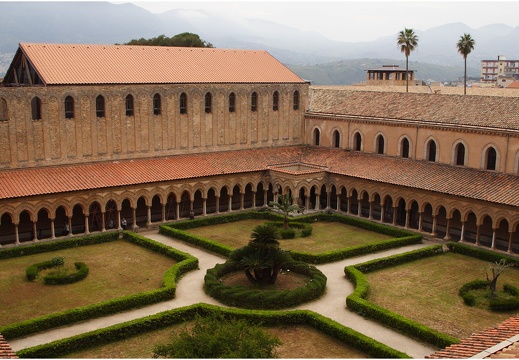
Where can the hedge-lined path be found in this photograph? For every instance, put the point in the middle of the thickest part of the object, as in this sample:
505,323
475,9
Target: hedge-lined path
190,291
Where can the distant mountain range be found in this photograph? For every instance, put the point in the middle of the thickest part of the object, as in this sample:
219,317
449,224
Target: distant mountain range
309,54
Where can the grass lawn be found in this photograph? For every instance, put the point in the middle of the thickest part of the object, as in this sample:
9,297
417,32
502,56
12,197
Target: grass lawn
427,291
314,345
116,269
326,236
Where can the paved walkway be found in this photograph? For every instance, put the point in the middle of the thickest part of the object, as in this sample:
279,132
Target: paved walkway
190,291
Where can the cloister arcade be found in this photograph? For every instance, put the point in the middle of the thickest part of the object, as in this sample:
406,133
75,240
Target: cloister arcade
434,215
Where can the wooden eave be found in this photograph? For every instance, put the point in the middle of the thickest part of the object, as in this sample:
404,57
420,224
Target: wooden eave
21,62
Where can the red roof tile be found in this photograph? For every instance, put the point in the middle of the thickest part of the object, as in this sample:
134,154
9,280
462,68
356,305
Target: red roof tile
500,341
465,182
492,112
5,350
59,64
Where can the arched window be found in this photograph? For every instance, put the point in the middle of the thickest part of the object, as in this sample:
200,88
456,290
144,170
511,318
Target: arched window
336,139
183,103
69,107
129,105
208,103
317,137
296,100
380,144
275,101
357,142
254,102
232,102
431,150
404,148
3,110
157,104
100,106
491,159
36,108
459,152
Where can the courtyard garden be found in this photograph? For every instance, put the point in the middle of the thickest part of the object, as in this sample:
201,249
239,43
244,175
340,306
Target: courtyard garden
424,290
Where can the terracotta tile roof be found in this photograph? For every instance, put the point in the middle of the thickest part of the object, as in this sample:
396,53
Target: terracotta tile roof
475,184
496,112
514,85
5,350
498,342
59,64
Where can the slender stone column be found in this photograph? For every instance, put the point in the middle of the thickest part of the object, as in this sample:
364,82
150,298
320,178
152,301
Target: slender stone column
230,203
395,210
477,234
217,204
16,235
420,221
371,210
35,231
204,206
462,236
87,229
407,215
254,200
148,216
447,230
163,213
242,201
493,239
359,207
53,231
317,202
177,212
338,203
119,227
265,198
433,232
134,218
510,238
382,213
328,200
348,207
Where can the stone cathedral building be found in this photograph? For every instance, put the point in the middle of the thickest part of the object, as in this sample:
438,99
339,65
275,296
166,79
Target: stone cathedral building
95,136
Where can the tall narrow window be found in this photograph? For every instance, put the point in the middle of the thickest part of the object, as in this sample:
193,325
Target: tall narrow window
296,100
380,144
491,159
431,150
232,102
404,148
275,101
460,154
357,142
317,137
100,106
36,108
254,102
69,107
157,104
3,110
208,103
336,139
129,105
183,103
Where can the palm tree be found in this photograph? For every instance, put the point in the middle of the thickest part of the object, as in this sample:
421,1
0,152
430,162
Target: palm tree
285,206
465,46
408,41
265,237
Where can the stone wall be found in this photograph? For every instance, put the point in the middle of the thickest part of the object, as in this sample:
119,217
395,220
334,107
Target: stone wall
56,140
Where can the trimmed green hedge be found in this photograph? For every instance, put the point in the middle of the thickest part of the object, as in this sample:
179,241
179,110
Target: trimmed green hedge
185,263
402,237
465,291
348,336
481,253
57,279
260,298
356,301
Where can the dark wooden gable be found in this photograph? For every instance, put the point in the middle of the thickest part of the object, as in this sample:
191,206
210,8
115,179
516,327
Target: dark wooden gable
22,72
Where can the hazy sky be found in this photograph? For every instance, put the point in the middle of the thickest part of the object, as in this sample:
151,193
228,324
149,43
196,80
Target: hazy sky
356,20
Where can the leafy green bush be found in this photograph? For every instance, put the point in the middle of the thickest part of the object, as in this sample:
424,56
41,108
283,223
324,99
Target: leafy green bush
254,298
61,279
348,336
501,304
289,233
32,271
466,294
185,263
215,336
356,301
